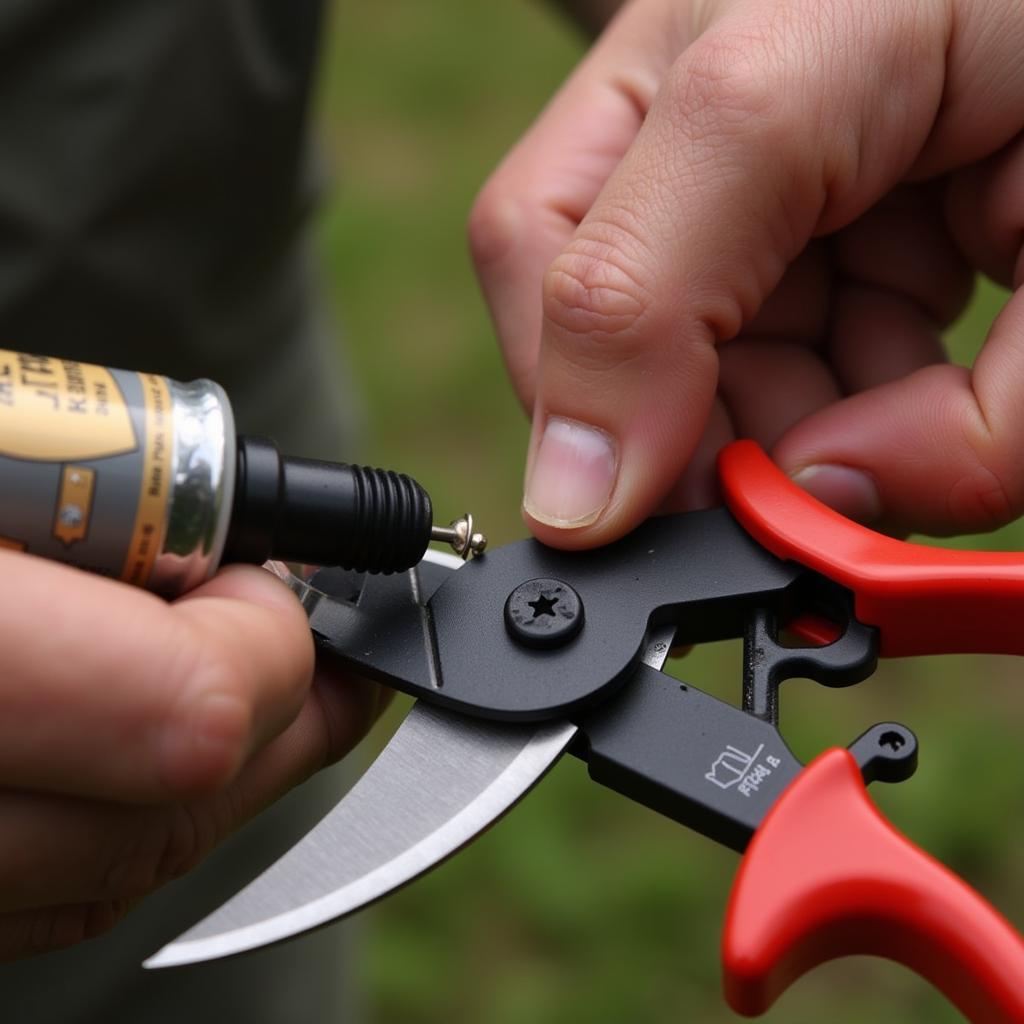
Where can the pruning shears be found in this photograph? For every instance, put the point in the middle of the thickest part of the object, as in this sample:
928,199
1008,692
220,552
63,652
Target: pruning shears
528,652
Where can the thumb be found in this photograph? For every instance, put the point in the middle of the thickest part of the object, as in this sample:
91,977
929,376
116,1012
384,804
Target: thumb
753,145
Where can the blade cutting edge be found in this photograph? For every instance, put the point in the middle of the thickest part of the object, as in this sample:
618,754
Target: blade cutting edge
441,780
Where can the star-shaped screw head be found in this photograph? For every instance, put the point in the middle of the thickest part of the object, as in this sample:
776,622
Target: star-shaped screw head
543,613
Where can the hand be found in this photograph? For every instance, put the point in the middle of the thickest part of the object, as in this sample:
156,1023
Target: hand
754,218
135,735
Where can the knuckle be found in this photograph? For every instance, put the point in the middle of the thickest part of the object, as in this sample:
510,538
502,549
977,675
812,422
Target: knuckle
982,497
979,500
595,299
186,836
159,845
218,675
126,870
52,928
49,929
102,916
494,222
213,724
729,81
988,491
747,108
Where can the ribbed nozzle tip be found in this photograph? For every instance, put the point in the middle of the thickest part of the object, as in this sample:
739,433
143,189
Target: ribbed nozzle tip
393,522
325,513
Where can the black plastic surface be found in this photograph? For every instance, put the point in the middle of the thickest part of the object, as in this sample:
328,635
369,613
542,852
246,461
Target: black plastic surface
767,663
886,752
258,495
707,764
700,761
543,613
699,570
324,513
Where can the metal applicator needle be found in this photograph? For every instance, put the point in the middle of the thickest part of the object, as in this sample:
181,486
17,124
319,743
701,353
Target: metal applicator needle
459,534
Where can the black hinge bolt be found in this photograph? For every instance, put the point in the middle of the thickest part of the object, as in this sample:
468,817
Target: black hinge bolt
543,613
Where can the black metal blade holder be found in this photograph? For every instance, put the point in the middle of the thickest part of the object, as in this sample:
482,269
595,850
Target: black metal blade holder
462,642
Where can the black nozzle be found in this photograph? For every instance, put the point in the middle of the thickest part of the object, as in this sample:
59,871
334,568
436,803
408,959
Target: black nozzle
324,513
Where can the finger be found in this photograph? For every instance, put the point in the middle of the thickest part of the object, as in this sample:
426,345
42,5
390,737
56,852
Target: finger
937,452
770,386
248,597
57,851
33,932
901,279
108,691
902,246
985,207
798,309
698,486
528,209
880,336
754,145
984,88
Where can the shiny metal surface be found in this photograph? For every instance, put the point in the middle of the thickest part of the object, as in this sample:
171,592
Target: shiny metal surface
441,780
464,541
201,490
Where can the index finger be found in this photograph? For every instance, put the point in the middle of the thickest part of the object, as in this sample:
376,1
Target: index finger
769,130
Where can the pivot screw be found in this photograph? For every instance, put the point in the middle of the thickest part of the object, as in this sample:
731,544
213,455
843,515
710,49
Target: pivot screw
543,613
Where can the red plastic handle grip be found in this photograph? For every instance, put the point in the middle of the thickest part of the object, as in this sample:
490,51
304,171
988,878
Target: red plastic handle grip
827,876
923,600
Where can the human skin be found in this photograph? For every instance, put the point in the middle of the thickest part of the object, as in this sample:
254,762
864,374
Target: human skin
137,734
755,218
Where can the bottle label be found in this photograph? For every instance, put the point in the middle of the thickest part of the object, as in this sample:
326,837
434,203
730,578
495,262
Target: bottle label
85,463
55,410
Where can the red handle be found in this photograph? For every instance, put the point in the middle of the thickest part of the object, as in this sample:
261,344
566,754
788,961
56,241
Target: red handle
827,876
923,600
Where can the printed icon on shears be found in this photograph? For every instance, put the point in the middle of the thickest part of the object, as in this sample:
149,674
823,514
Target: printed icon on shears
731,766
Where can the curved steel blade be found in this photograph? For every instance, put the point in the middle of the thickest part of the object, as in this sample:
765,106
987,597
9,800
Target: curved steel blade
442,779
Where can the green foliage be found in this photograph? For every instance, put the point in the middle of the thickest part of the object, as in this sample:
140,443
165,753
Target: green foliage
581,907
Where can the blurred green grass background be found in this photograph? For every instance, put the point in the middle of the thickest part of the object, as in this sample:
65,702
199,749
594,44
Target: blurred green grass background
580,906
